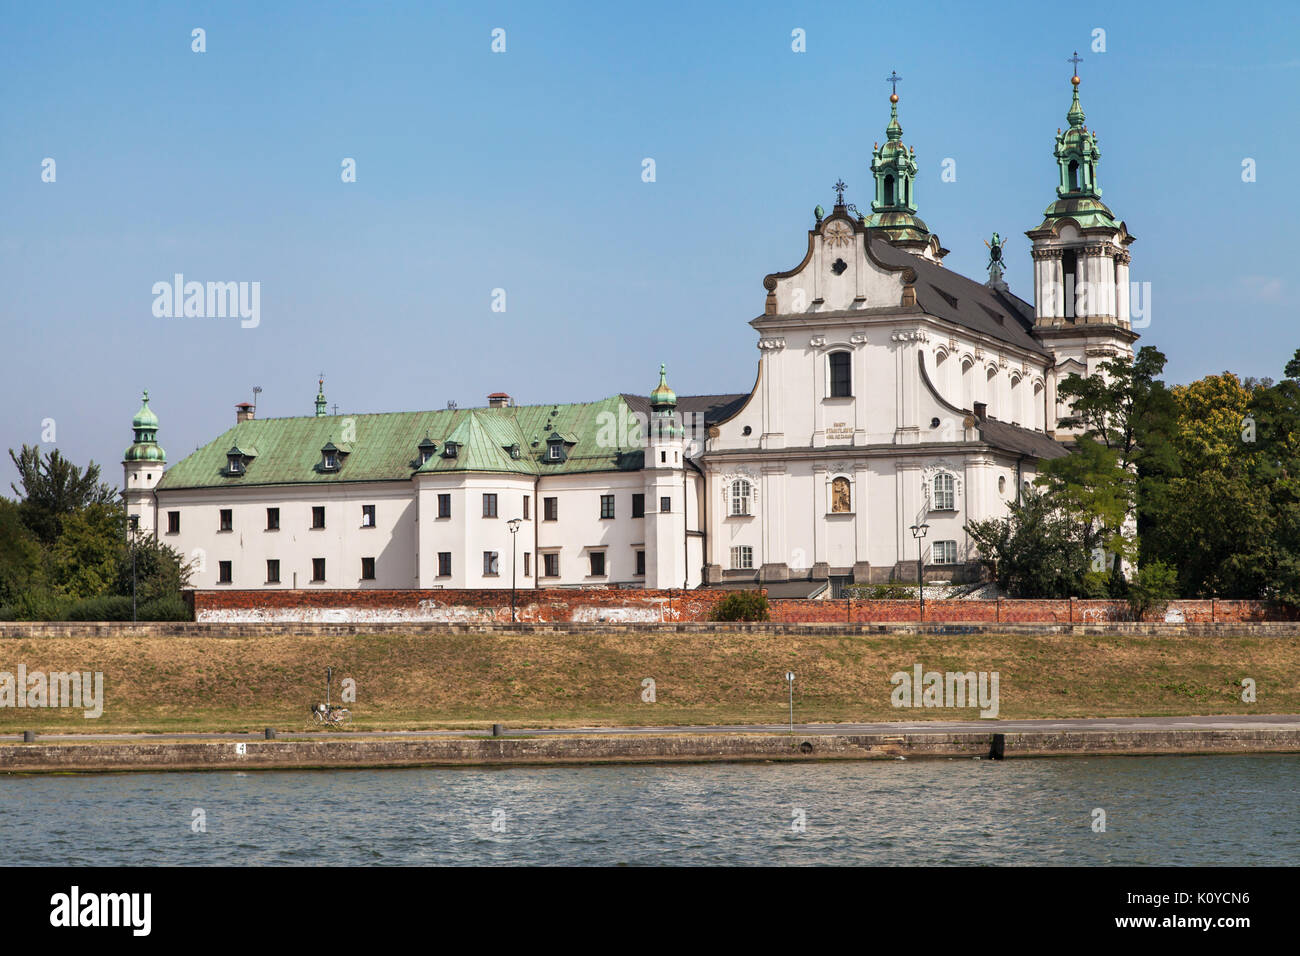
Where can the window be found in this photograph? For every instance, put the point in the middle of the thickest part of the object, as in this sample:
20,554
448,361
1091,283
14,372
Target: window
742,558
227,519
889,190
551,508
638,506
223,572
490,564
841,375
944,496
272,572
841,496
607,506
945,552
528,569
665,505
1002,484
597,564
272,519
367,516
173,522
444,564
741,495
550,565
444,506
528,500
663,457
367,569
555,451
331,462
640,563
318,516
489,506
234,465
451,449
318,569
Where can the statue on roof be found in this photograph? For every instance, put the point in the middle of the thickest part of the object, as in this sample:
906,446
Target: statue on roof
995,263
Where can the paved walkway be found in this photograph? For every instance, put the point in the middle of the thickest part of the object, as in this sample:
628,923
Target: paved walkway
1225,722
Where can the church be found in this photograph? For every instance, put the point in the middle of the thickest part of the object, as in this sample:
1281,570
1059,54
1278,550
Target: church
895,401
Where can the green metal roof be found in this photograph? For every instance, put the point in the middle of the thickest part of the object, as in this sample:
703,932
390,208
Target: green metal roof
385,446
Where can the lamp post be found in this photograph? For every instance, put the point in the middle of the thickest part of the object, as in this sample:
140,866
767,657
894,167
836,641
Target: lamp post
918,532
514,551
789,679
135,527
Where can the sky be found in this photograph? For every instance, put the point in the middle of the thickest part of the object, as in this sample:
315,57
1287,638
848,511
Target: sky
517,179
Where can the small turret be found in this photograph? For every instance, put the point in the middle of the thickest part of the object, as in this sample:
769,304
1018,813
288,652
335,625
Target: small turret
142,467
320,398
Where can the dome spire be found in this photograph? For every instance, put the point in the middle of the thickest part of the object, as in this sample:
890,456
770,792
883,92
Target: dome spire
320,396
145,426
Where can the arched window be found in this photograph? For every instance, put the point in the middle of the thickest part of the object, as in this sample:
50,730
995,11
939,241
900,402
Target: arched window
1074,176
889,190
1039,410
1015,413
991,392
967,383
741,496
841,496
841,375
944,497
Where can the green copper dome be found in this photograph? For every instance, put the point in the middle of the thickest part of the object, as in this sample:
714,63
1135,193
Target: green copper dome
145,426
1077,157
662,395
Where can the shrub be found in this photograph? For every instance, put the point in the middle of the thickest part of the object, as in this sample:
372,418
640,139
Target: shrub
1151,589
107,607
742,606
168,608
38,606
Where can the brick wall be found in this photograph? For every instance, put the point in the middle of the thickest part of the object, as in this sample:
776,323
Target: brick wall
617,606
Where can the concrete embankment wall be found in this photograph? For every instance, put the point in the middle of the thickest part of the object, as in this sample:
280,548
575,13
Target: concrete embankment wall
620,748
631,606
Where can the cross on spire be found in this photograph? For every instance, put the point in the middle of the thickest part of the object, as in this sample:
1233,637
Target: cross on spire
839,192
893,80
1076,60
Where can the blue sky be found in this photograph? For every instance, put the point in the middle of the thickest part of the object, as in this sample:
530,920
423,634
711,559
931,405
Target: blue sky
522,171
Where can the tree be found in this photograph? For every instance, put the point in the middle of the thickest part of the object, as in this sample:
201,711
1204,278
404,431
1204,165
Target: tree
1037,551
53,488
86,557
160,571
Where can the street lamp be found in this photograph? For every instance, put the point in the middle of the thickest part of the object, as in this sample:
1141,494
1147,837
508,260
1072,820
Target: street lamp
918,532
514,550
789,679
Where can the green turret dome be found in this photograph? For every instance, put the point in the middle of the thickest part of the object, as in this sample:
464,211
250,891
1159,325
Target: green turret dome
145,426
663,396
1078,191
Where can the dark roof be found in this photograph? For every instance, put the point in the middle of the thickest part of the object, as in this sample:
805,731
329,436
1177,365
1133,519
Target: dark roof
775,589
714,408
965,302
1021,441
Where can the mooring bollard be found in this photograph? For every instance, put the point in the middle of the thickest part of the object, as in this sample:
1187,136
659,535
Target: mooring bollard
496,730
270,733
29,736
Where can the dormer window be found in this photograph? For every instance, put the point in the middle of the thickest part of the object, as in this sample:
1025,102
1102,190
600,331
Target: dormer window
331,456
331,461
555,451
426,449
514,451
451,449
237,460
234,465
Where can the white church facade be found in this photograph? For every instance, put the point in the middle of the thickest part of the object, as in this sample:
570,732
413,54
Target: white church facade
895,402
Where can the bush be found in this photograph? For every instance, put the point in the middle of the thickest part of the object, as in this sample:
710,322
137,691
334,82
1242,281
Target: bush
163,609
890,590
108,607
1152,588
742,606
38,606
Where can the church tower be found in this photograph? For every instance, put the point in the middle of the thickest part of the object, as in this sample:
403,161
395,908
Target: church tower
1081,265
142,467
665,491
893,212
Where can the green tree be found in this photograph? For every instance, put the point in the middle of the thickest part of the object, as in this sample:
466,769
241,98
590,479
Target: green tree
87,555
52,488
1037,551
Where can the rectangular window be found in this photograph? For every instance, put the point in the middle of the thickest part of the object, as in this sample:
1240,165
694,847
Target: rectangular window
527,565
318,569
318,516
490,564
945,498
742,558
945,552
550,565
555,451
551,508
607,506
638,506
367,569
444,506
665,505
444,564
173,522
223,572
227,519
272,572
640,563
367,516
489,506
272,519
528,500
841,376
597,564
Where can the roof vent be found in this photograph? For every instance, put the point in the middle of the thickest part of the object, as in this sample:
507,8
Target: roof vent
981,410
499,400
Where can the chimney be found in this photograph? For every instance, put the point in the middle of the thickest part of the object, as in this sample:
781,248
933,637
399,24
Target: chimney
981,411
243,412
499,400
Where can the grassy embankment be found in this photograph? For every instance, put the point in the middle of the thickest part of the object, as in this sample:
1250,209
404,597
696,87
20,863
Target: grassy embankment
461,681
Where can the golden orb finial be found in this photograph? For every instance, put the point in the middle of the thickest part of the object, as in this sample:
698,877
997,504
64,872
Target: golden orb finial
1075,79
893,97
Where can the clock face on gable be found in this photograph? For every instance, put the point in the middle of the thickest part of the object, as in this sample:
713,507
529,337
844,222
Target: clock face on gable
837,234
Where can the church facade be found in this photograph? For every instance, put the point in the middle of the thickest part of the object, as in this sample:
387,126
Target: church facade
895,402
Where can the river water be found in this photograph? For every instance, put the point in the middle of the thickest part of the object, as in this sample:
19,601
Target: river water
1230,810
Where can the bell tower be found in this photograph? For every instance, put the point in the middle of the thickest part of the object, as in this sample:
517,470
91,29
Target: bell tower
142,467
665,490
1081,264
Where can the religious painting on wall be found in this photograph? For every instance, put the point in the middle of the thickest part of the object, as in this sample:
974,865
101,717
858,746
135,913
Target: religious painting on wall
841,499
